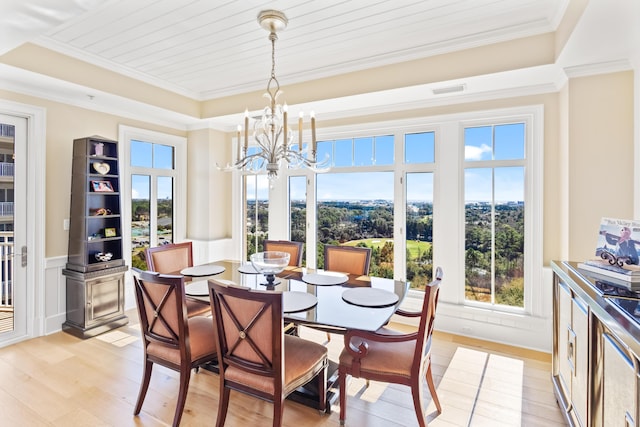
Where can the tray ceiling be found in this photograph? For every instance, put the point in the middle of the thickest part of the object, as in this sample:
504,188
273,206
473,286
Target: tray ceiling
206,49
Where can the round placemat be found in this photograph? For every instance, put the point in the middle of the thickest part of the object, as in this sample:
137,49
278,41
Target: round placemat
197,289
296,301
326,278
370,297
202,270
247,269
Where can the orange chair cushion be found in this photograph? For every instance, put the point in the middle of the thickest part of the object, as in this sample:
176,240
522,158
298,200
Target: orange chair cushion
302,359
292,250
202,339
197,308
349,262
393,358
171,261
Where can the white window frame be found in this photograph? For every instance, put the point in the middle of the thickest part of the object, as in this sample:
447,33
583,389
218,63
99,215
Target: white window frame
126,134
495,322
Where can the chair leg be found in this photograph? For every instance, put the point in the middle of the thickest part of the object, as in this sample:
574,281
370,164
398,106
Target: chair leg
416,393
185,376
322,389
342,379
278,409
146,377
432,389
223,404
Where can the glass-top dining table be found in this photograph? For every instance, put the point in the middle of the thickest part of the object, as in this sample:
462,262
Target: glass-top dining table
329,301
336,301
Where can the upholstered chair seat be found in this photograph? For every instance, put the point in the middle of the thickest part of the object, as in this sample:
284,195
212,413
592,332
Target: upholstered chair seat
169,337
394,357
255,356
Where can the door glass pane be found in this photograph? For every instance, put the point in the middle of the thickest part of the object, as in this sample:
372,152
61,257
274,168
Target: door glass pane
478,235
140,215
356,209
257,208
509,235
141,154
7,137
419,224
165,210
298,210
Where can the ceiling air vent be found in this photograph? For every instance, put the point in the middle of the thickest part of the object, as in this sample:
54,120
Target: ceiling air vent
448,89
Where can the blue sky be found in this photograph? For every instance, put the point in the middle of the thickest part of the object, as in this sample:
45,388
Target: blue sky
502,142
148,155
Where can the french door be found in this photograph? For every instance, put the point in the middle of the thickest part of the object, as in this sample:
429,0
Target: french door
13,228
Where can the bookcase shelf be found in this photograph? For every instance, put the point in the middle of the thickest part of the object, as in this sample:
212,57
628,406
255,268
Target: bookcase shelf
95,283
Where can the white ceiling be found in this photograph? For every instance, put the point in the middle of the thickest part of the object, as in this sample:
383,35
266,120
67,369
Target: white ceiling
210,48
206,48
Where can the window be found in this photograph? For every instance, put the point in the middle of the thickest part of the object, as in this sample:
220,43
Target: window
298,211
494,214
459,191
356,209
155,216
256,211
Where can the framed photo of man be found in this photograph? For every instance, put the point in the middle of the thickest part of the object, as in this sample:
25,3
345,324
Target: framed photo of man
101,186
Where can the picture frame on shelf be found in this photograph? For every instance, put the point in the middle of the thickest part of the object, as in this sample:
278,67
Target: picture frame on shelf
98,149
110,232
101,186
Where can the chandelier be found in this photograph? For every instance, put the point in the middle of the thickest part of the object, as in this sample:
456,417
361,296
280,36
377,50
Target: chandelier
271,133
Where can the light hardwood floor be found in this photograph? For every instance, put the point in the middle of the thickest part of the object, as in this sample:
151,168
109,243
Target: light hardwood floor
60,380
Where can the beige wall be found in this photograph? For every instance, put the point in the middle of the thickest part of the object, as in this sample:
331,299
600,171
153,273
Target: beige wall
600,156
64,124
47,62
588,161
209,189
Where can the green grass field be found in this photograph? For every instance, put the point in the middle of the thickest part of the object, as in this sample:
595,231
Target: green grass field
414,247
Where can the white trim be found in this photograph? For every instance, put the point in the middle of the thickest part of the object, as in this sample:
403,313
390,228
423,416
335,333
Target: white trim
36,189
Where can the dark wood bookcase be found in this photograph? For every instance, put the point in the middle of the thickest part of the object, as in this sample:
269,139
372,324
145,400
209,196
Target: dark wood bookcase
95,268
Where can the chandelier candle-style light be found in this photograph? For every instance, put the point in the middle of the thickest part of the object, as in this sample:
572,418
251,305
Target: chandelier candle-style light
271,131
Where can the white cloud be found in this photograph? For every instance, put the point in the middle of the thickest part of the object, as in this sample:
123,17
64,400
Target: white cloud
475,153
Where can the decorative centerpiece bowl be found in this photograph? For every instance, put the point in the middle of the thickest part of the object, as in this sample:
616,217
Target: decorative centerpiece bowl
270,263
104,256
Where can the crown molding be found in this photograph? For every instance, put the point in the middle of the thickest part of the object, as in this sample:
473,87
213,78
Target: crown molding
598,68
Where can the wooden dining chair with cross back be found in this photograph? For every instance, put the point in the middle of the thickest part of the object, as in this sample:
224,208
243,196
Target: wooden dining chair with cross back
294,249
170,259
394,357
347,259
255,356
169,337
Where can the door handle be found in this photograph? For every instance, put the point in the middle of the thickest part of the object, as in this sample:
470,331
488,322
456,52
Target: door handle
23,256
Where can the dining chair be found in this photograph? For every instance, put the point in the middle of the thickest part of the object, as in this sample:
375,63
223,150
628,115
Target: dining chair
170,259
394,357
294,249
255,356
347,259
169,337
